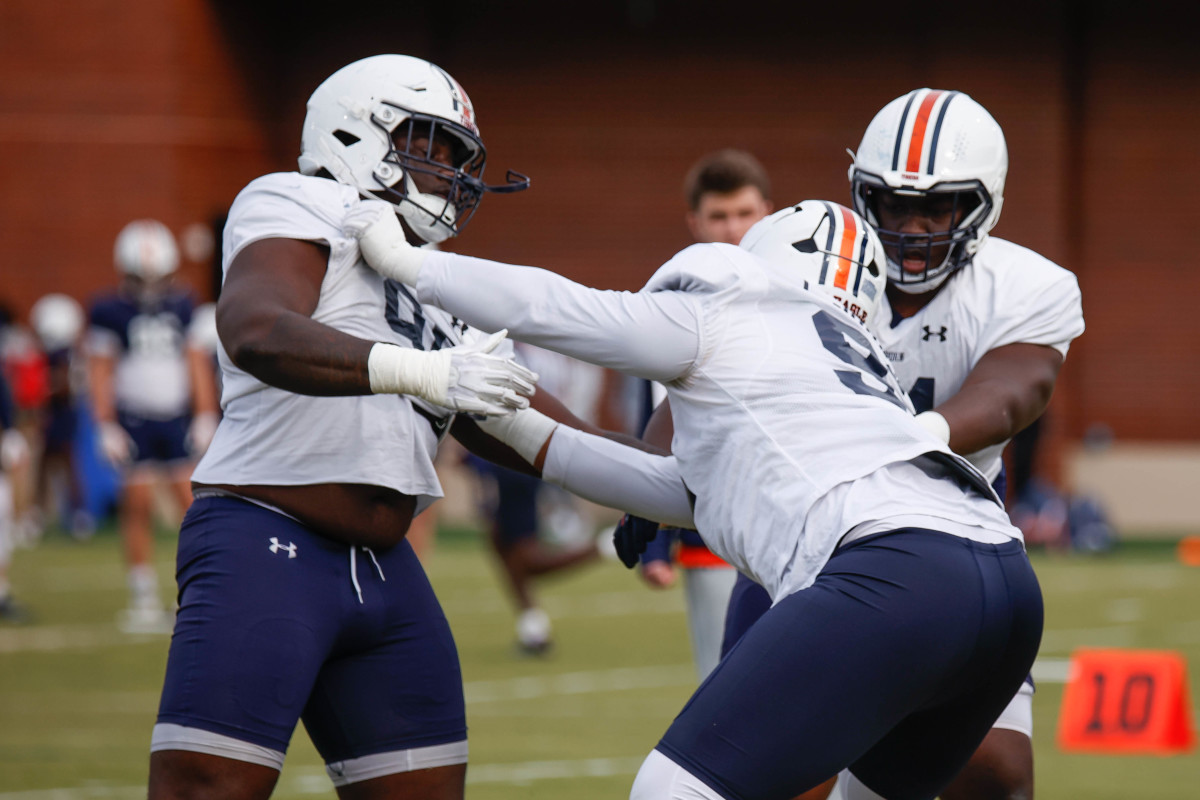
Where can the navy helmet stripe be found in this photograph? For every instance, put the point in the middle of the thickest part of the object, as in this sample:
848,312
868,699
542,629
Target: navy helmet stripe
862,261
937,129
829,215
900,131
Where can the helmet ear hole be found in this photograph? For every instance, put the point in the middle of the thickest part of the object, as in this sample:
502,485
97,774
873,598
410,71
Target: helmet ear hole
346,137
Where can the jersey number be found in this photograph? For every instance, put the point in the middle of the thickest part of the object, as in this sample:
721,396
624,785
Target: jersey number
839,338
921,394
396,293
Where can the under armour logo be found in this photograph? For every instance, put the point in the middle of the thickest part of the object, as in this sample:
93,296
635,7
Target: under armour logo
930,332
276,547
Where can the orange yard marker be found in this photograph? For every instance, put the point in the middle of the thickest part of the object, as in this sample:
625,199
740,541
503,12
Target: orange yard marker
1189,551
1126,701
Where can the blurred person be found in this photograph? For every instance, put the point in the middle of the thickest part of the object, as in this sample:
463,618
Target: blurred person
903,598
726,193
976,329
27,374
152,397
13,451
520,507
58,321
299,597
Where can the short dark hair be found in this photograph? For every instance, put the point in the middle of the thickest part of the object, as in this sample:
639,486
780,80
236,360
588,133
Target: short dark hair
723,172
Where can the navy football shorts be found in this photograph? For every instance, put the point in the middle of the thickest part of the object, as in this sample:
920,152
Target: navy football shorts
515,515
157,440
277,623
895,663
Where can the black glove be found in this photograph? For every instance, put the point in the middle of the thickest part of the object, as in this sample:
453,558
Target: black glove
631,537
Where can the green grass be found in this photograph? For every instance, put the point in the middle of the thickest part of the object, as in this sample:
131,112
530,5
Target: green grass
77,698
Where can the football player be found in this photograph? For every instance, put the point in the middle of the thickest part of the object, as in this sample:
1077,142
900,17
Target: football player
726,193
152,396
58,321
299,597
976,329
903,598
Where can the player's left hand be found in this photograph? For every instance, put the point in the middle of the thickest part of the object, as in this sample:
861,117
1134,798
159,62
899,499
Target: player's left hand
382,241
631,537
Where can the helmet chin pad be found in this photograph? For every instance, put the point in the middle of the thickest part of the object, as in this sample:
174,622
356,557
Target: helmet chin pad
430,217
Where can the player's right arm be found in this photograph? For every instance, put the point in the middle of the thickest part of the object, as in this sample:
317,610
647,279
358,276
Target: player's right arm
103,348
1005,392
264,319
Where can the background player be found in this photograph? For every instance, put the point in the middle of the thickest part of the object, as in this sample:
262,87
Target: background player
904,600
299,596
518,506
726,193
976,329
152,396
58,321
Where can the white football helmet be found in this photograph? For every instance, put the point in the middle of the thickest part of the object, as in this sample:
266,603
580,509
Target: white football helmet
360,125
832,247
57,320
932,143
146,249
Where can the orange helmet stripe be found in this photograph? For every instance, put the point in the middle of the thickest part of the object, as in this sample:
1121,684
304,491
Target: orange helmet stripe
841,278
917,142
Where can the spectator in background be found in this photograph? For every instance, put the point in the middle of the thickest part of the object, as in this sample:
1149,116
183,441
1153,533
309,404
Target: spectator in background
726,192
153,399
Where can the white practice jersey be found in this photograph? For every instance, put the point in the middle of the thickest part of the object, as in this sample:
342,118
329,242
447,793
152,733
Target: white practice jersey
273,437
781,401
1008,294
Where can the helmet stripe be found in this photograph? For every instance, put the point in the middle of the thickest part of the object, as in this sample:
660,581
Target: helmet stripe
900,130
917,142
937,129
864,243
846,253
828,241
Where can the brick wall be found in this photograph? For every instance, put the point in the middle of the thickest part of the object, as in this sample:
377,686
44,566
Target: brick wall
126,108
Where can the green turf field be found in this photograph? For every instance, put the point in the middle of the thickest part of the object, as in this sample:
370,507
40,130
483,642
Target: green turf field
77,698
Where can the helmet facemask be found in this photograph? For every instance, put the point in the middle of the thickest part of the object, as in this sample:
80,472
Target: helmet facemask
436,195
966,204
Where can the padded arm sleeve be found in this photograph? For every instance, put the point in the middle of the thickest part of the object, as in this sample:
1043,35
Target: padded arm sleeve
618,476
653,335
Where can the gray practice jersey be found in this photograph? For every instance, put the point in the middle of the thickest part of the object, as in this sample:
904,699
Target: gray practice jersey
270,436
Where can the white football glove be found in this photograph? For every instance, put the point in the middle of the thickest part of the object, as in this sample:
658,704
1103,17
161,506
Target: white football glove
382,242
116,445
462,378
200,432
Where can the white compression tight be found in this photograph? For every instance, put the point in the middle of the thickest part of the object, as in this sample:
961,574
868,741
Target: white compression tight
660,778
